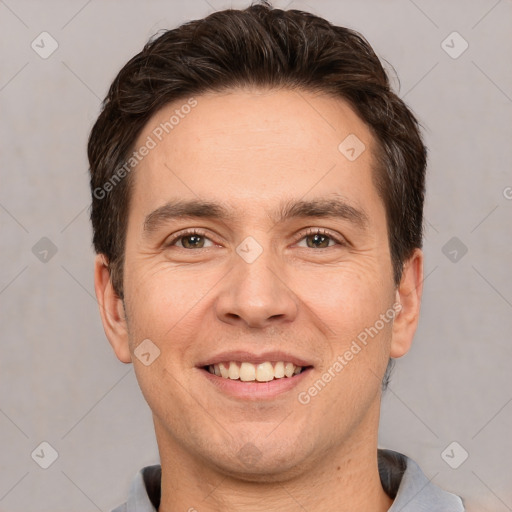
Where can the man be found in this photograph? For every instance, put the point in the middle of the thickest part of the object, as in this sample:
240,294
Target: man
257,212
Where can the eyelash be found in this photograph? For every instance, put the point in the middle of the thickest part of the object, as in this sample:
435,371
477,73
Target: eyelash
302,235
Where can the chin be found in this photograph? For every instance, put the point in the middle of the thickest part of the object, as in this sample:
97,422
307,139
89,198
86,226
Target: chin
255,462
262,471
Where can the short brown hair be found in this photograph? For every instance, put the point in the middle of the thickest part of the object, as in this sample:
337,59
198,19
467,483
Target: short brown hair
262,47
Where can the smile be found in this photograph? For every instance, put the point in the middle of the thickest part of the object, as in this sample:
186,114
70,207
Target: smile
249,372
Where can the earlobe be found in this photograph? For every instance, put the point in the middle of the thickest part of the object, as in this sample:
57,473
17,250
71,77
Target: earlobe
408,297
111,310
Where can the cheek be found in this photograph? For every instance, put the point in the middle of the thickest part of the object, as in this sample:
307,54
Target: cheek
163,306
352,306
165,302
348,298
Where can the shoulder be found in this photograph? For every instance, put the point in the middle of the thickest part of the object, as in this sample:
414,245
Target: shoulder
412,491
144,494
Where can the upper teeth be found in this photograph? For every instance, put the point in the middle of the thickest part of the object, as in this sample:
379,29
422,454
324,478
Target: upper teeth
262,372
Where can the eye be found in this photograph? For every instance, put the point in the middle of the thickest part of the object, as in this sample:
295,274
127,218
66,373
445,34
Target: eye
197,239
191,239
320,239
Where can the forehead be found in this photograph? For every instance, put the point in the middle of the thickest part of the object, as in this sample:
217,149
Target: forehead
255,146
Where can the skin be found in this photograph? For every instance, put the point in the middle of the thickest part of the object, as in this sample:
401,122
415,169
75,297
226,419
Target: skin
251,150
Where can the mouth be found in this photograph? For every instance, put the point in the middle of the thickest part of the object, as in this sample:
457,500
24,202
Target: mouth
245,376
245,371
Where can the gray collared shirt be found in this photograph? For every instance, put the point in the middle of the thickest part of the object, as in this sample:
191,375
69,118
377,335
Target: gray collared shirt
401,478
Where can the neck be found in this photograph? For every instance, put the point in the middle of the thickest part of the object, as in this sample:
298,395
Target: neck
342,478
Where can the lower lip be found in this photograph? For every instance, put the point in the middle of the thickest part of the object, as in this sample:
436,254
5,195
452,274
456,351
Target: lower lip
255,390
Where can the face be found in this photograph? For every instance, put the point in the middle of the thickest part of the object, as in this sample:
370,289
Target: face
258,271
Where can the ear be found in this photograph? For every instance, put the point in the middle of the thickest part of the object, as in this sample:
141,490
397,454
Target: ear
111,310
408,296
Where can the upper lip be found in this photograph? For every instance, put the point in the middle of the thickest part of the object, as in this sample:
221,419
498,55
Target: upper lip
250,357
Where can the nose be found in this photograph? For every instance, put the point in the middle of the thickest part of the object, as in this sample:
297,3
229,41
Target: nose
256,294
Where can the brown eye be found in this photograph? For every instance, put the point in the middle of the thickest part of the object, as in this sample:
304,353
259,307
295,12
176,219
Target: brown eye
318,241
190,240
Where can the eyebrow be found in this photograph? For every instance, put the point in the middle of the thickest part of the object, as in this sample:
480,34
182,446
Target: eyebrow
317,208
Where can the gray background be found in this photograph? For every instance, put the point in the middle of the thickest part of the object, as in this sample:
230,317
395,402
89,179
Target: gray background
59,380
